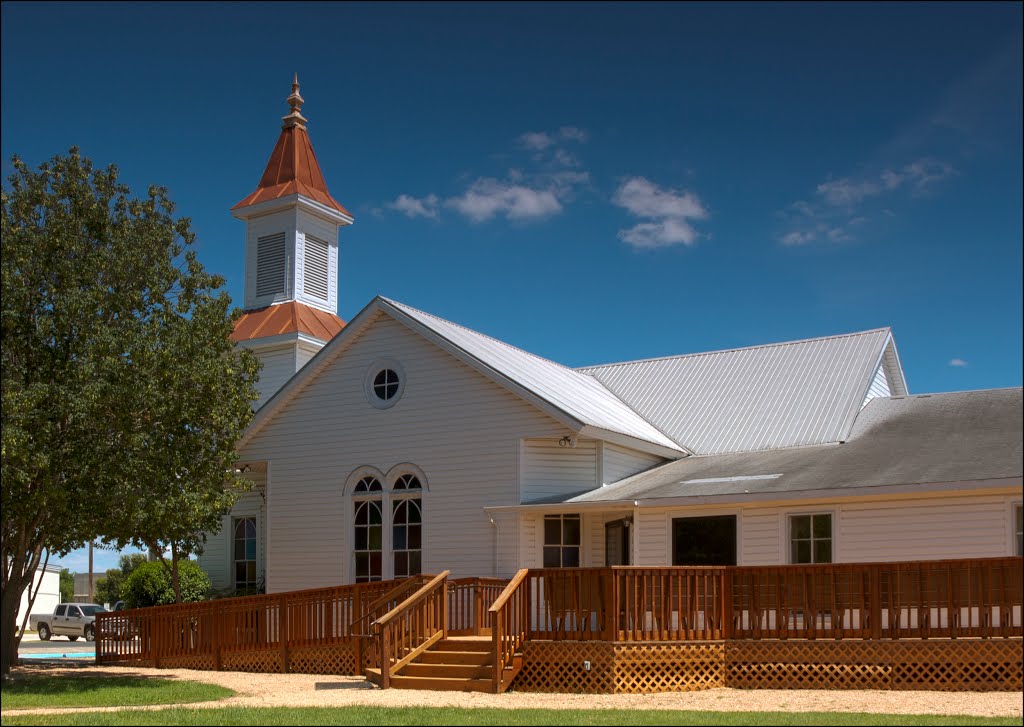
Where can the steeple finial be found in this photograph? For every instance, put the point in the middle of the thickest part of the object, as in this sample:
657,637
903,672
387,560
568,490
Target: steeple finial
295,118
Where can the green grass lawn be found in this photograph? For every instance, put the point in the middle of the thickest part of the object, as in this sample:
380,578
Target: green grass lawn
452,716
68,690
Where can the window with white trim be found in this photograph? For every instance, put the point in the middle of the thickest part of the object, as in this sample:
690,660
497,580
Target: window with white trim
368,522
810,538
244,551
562,538
407,526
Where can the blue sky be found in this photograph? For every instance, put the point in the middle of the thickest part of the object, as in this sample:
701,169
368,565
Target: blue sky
590,182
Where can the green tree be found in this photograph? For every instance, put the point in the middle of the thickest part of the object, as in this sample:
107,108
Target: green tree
109,589
67,586
122,393
150,585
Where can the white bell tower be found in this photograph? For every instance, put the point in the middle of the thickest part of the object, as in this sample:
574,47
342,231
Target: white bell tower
291,257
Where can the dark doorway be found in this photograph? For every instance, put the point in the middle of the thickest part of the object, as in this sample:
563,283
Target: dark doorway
616,543
704,540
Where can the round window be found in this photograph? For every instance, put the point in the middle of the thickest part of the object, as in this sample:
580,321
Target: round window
385,384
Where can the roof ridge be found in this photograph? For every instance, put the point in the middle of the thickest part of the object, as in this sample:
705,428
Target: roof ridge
582,369
926,394
497,340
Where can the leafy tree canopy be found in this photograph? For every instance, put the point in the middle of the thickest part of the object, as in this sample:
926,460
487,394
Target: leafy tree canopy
109,589
123,396
67,586
150,585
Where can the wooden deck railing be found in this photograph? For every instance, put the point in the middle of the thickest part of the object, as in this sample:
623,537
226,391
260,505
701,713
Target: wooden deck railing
923,599
253,623
412,626
468,603
362,629
509,616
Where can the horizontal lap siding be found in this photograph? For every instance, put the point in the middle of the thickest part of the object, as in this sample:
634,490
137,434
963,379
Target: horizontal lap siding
621,462
278,367
462,430
925,529
551,471
867,530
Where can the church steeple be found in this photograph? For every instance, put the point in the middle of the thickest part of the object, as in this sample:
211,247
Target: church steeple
291,260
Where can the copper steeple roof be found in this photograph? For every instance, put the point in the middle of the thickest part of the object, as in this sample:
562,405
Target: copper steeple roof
293,168
288,317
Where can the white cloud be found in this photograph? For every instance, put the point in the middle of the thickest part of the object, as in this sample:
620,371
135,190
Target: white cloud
572,133
664,233
846,192
669,213
417,207
840,205
487,198
958,363
536,140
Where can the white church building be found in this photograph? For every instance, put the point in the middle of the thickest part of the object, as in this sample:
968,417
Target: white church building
401,443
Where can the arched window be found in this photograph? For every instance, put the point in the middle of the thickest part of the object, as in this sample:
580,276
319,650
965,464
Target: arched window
245,553
407,526
368,525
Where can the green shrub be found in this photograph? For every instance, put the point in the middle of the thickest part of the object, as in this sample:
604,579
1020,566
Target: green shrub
150,584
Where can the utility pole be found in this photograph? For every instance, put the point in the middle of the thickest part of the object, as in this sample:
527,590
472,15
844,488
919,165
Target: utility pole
90,572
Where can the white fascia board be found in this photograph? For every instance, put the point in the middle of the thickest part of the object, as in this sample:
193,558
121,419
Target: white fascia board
323,358
289,201
443,343
899,366
763,498
641,445
557,508
281,340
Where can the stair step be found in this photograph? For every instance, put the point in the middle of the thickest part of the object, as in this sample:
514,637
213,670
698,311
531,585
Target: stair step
444,684
476,658
463,644
453,671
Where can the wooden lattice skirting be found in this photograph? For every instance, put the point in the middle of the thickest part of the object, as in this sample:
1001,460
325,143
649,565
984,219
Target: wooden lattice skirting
953,665
337,659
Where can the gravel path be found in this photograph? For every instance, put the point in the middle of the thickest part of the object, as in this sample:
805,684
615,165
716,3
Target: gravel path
303,690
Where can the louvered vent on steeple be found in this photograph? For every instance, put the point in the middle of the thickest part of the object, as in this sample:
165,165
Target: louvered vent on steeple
315,267
270,265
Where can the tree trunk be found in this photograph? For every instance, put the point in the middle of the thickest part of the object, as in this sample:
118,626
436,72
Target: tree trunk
175,582
9,602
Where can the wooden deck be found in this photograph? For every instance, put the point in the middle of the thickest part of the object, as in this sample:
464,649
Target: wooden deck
930,624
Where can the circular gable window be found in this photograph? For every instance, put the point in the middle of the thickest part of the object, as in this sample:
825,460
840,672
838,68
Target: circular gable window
385,381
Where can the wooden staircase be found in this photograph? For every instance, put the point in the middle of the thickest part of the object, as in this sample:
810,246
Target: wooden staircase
455,664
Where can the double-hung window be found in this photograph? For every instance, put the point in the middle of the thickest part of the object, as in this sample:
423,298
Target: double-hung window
810,538
562,541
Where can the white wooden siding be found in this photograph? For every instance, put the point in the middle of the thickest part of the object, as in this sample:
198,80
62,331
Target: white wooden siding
460,428
531,529
621,462
553,471
879,385
278,367
867,530
303,353
217,559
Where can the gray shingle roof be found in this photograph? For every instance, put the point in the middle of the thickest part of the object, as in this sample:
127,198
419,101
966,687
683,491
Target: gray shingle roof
922,439
765,397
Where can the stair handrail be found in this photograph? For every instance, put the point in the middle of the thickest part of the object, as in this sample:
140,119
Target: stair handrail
360,634
386,627
510,625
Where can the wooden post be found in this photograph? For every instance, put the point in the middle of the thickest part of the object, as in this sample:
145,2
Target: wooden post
385,659
282,616
444,608
611,614
875,602
727,608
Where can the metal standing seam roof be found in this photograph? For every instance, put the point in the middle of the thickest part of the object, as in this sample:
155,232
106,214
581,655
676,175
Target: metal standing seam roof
579,395
290,317
972,436
765,397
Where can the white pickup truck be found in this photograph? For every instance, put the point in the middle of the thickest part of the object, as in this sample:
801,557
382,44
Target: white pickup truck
68,619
